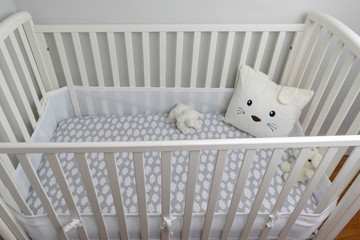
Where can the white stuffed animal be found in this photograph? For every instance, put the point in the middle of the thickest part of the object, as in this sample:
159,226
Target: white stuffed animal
185,118
310,165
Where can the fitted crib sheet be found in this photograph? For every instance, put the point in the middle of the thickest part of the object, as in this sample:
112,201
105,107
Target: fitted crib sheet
154,127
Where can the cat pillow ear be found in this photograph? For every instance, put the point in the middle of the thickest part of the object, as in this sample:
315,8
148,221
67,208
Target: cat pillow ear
262,108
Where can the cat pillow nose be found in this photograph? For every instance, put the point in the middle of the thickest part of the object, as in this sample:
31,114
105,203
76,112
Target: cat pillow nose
255,118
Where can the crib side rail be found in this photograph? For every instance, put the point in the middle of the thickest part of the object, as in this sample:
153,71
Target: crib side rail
137,149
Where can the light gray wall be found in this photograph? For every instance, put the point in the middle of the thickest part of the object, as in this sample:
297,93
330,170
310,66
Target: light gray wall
7,7
187,11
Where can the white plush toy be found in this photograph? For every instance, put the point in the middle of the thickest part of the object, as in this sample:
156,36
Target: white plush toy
310,165
185,118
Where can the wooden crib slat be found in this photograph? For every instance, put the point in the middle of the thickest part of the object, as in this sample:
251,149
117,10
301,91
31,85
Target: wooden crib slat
299,163
12,223
6,178
80,58
41,193
146,57
333,93
337,186
323,83
141,193
211,59
269,173
35,68
4,158
97,60
65,65
25,70
261,50
113,58
345,107
165,190
66,192
350,197
17,82
227,58
245,48
276,54
240,184
307,54
90,190
310,188
6,126
179,57
162,59
214,192
285,78
130,58
195,59
112,170
10,99
319,59
190,193
52,82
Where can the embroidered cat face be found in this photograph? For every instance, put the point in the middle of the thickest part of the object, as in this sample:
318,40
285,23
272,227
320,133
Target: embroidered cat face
263,108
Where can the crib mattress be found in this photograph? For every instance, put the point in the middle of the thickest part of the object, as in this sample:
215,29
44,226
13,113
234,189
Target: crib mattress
154,127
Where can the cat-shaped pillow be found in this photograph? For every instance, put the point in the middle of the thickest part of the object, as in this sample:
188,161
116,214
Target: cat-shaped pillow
262,108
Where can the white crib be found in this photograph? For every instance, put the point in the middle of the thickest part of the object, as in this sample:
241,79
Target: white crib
50,73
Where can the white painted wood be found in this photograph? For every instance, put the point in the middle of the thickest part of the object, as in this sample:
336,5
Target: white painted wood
35,68
11,223
169,28
276,55
31,42
323,84
10,99
290,61
4,158
319,59
97,59
307,54
190,193
67,73
350,197
66,192
49,71
227,58
165,190
333,93
195,59
5,232
179,57
141,193
146,58
261,50
112,170
240,184
41,193
211,59
342,177
17,82
265,183
113,58
299,163
6,126
245,48
345,107
6,178
11,23
80,58
214,192
91,193
25,71
162,59
310,188
130,58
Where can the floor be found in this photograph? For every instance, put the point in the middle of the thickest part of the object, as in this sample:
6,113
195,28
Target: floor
352,229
